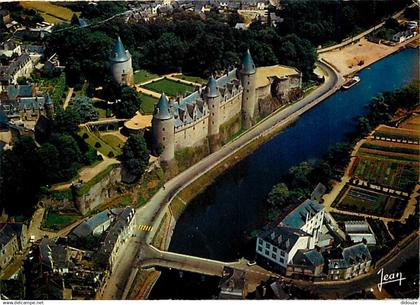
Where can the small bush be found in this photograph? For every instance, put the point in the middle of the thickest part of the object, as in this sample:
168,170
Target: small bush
110,154
97,144
85,136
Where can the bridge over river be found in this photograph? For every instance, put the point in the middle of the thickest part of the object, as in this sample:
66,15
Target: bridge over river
150,256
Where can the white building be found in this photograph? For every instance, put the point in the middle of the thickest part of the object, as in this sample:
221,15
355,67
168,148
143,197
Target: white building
280,244
308,217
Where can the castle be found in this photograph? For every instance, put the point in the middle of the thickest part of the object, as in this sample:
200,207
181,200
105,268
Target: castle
121,66
191,121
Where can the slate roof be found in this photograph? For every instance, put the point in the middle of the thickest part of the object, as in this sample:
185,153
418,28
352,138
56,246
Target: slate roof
53,255
351,256
211,89
6,234
309,257
297,218
14,91
162,109
282,237
248,65
120,223
87,227
119,53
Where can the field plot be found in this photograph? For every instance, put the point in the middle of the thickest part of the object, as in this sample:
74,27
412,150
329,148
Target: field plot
190,78
169,87
147,103
141,76
364,201
51,13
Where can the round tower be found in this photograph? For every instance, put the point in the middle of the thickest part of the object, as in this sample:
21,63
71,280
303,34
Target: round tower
49,107
212,96
249,99
121,66
163,133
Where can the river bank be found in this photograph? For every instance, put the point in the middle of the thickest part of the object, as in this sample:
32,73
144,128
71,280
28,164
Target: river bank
361,54
197,236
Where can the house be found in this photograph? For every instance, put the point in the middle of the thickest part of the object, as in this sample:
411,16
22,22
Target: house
277,246
403,36
117,235
9,48
232,284
22,66
9,244
54,257
13,93
359,231
95,225
307,263
308,217
355,260
21,231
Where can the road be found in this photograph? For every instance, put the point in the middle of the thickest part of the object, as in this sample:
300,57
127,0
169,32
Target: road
152,213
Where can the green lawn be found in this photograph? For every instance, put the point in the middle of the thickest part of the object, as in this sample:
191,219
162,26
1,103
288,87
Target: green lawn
101,107
169,87
190,78
143,76
114,141
147,103
55,221
92,139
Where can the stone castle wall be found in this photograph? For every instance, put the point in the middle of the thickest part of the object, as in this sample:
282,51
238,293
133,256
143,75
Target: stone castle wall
192,134
230,108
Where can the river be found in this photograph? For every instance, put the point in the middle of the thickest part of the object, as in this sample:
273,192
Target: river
219,221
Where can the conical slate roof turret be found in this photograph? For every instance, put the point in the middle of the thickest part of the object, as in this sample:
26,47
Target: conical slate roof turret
119,53
212,90
162,109
248,65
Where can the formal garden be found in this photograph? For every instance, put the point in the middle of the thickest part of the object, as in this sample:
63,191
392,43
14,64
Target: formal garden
169,87
358,200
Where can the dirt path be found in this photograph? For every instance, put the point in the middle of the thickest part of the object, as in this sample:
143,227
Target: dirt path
87,173
68,98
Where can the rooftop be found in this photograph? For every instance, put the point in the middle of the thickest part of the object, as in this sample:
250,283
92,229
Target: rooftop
297,218
282,237
119,53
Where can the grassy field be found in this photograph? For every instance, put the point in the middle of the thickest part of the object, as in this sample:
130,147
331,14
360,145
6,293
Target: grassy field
113,141
54,221
147,103
50,12
92,139
101,107
190,78
169,87
143,76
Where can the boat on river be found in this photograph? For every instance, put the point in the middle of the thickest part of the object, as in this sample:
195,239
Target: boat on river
351,82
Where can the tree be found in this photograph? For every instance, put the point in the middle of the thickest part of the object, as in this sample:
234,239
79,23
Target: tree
135,155
129,103
84,107
19,177
278,195
49,159
67,121
70,156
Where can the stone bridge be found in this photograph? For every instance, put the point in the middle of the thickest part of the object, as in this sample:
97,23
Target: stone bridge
153,257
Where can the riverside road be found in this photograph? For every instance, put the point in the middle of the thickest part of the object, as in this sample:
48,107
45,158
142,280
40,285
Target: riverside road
152,213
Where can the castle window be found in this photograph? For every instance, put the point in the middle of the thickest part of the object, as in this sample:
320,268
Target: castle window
163,139
212,106
247,90
163,129
164,147
248,83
